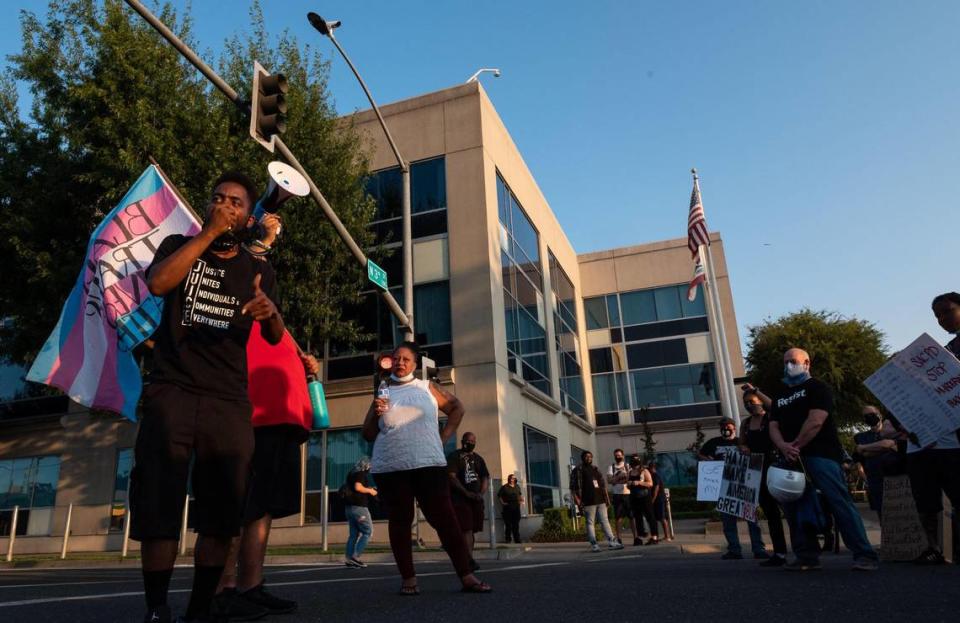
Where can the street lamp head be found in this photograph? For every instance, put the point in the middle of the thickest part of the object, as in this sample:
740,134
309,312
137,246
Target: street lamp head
322,25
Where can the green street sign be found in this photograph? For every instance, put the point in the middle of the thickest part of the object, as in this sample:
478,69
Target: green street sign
376,274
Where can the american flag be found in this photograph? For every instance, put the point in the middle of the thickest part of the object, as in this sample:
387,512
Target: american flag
696,222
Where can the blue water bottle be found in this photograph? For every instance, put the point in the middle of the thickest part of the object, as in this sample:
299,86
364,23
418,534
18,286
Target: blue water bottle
321,417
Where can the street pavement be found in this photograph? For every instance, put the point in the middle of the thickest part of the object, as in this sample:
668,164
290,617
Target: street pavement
567,584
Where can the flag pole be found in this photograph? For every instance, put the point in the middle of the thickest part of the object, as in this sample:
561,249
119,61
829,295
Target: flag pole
724,369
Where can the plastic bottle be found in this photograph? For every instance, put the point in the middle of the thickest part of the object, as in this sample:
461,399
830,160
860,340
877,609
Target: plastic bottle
321,417
383,392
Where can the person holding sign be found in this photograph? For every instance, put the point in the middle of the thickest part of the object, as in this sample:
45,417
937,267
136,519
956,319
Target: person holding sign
755,439
803,429
716,449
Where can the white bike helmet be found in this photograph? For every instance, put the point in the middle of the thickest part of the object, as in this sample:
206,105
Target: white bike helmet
785,485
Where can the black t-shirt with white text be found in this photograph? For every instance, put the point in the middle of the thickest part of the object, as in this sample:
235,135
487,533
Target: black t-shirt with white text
470,469
717,447
792,405
201,343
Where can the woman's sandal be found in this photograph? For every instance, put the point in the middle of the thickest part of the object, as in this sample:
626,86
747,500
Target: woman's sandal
478,587
410,591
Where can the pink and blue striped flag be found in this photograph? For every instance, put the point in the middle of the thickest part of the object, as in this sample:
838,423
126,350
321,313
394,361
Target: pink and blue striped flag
110,310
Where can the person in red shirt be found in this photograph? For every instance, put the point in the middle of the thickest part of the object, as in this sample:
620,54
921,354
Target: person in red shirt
282,419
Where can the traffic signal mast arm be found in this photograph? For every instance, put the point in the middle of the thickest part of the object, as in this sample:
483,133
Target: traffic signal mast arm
278,143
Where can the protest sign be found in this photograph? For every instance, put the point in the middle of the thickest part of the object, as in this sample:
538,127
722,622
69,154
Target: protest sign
901,536
740,487
920,385
709,475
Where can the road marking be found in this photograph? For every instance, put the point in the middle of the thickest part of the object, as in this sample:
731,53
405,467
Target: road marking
47,600
609,558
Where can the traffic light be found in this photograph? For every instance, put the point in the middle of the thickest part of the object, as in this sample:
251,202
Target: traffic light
268,106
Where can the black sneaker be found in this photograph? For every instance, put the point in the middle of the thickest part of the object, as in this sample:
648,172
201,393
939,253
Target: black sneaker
229,605
731,556
358,563
774,561
275,605
929,556
638,541
803,565
761,556
160,614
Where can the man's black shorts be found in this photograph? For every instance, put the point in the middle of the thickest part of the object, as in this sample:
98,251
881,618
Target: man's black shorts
932,473
621,505
275,482
175,426
469,513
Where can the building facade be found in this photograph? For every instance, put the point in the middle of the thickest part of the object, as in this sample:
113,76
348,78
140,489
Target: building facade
550,352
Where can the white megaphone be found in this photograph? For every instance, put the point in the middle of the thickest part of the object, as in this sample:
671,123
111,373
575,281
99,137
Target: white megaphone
285,182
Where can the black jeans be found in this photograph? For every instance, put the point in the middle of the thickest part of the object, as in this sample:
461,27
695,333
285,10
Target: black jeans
771,509
642,508
511,523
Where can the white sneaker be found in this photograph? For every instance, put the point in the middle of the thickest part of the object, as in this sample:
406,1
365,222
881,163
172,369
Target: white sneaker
594,548
615,545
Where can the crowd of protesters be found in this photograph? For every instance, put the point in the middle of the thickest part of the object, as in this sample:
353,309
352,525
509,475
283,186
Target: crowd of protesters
233,394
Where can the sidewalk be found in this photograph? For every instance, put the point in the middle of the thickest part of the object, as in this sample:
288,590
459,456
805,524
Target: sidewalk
693,537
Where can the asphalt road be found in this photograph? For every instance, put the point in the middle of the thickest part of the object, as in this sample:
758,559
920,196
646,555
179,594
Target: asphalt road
611,586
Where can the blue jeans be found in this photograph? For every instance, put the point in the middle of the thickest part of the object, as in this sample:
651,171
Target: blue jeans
590,513
733,538
361,529
828,478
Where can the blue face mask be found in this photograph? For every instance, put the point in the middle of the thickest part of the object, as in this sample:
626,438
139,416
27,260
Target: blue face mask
795,373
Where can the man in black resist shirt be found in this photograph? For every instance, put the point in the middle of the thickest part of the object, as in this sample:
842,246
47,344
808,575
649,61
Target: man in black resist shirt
196,402
802,427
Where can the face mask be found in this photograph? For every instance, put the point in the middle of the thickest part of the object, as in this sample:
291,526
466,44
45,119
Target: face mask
469,446
726,433
754,409
795,373
618,461
871,420
402,379
224,242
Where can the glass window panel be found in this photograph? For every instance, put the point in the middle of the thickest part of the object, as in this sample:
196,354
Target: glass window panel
431,312
645,355
677,375
596,311
542,467
667,303
649,388
503,203
510,316
695,308
638,307
608,419
386,232
428,186
124,465
705,384
390,198
524,235
613,310
623,391
601,360
673,351
604,392
429,224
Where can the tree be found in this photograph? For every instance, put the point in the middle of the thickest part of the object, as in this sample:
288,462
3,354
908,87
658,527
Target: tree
649,443
107,93
843,352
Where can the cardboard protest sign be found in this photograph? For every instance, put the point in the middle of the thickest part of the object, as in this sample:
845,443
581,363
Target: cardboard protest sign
709,475
740,487
920,385
901,536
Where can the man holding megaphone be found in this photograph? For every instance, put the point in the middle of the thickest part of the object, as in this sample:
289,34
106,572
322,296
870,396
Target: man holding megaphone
196,403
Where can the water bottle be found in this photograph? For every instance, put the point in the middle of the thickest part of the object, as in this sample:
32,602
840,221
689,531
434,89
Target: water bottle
383,392
321,417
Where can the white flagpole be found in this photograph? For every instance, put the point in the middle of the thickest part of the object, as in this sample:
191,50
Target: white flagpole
722,386
712,293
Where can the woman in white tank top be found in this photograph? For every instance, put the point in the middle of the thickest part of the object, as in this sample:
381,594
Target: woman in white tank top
408,463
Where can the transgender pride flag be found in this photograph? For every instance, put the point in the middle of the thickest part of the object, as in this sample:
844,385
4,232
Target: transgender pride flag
109,311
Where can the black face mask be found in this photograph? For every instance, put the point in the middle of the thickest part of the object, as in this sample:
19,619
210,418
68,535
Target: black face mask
469,446
230,239
871,420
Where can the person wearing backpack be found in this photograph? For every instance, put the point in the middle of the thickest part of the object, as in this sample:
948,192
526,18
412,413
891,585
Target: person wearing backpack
356,496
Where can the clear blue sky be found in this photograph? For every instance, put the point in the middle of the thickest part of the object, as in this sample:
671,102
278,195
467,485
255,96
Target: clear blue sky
825,132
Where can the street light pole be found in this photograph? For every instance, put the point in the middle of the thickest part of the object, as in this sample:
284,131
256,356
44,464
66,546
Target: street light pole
326,28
